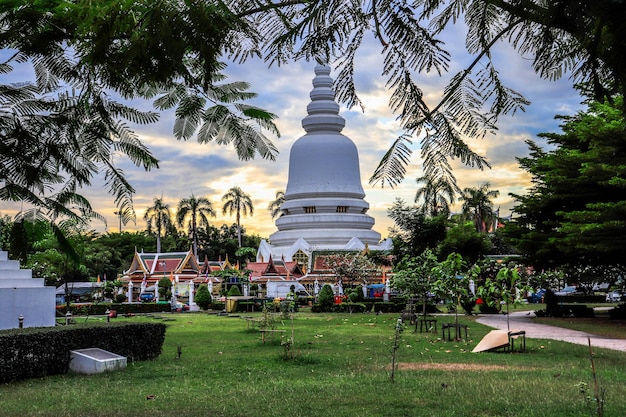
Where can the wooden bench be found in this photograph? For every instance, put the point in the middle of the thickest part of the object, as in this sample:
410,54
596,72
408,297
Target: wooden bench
517,334
457,330
270,331
427,323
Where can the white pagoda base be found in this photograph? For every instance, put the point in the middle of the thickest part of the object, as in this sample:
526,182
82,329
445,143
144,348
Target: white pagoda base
23,296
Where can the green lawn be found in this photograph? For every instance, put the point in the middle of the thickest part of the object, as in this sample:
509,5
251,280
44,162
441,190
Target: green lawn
342,367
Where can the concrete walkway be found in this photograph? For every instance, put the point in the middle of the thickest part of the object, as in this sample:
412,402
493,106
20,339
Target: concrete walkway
523,320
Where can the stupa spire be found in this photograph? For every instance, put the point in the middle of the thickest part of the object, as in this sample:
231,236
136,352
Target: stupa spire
323,111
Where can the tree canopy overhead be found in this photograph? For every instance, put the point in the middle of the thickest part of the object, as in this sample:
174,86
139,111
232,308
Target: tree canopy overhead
173,47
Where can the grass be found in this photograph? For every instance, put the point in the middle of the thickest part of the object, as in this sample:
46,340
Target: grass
341,368
600,326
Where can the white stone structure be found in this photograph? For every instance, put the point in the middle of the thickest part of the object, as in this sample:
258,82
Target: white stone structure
324,206
21,295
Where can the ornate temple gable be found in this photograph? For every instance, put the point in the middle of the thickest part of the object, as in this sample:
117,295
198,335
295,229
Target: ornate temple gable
188,265
274,270
271,269
354,244
137,265
158,265
294,269
227,265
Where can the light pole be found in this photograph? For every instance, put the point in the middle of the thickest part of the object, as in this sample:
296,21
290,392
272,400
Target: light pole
119,215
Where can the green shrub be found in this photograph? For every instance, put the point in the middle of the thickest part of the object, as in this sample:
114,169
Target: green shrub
326,298
40,351
120,298
216,305
350,308
203,297
485,309
234,291
165,286
100,308
387,307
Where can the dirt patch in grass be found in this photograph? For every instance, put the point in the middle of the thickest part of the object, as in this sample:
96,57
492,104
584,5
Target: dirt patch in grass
420,366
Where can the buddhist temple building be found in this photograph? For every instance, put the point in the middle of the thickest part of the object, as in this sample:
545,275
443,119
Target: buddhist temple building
324,208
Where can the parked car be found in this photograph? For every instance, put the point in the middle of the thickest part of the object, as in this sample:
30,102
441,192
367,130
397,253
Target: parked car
536,297
146,297
569,290
614,297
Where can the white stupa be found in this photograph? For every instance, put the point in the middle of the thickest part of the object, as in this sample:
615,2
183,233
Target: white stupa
324,206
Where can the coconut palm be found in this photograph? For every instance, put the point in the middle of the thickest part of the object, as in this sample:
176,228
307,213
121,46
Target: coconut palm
159,219
238,202
274,206
477,205
437,195
197,211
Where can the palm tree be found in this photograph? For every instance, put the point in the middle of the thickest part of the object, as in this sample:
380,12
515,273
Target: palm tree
274,206
235,200
159,219
437,194
197,210
477,205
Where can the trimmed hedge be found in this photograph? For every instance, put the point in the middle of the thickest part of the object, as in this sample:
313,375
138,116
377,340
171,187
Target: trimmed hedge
125,308
365,307
590,299
618,312
40,351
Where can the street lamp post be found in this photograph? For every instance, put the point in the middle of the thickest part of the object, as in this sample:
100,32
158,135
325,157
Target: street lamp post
119,215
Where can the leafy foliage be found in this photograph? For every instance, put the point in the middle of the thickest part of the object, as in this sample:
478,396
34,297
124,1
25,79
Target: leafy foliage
274,206
326,298
463,239
414,276
159,219
197,211
452,280
63,129
477,206
352,268
238,202
203,297
413,231
574,215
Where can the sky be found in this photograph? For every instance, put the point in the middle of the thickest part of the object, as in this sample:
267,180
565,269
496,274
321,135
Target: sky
210,170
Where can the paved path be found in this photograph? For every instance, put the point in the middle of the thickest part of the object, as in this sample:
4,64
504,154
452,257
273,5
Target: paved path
523,320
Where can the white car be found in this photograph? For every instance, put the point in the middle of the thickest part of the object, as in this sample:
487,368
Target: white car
614,297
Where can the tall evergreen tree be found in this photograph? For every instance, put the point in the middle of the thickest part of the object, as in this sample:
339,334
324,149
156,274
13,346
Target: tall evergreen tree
575,213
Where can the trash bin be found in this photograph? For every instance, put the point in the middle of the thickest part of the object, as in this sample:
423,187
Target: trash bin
231,305
112,314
